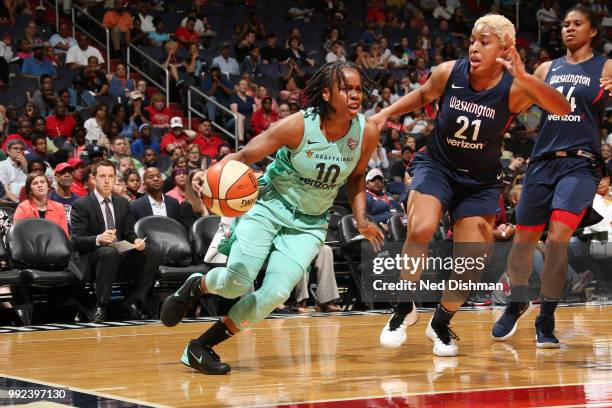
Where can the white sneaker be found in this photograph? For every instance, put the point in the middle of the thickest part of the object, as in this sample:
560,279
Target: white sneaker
445,341
393,334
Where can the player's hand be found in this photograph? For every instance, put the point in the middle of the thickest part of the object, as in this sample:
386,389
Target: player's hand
373,234
606,83
379,119
514,65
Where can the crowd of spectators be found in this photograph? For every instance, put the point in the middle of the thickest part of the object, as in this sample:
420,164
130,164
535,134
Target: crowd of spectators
80,113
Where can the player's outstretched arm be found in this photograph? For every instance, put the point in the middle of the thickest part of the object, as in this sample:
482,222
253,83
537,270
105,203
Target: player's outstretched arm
530,89
288,132
430,91
356,188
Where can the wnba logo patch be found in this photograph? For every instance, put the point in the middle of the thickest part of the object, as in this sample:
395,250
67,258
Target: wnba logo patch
309,154
244,323
351,143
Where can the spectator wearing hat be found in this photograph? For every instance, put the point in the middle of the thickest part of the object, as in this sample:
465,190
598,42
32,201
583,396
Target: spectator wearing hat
145,141
263,117
227,64
136,108
175,138
78,186
120,86
379,205
37,65
63,188
95,153
400,167
13,170
38,204
60,124
179,176
155,202
119,22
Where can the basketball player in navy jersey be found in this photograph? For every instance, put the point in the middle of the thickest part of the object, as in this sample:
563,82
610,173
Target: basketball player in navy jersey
459,171
563,175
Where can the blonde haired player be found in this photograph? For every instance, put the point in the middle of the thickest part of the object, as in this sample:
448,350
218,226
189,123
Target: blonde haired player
318,150
459,170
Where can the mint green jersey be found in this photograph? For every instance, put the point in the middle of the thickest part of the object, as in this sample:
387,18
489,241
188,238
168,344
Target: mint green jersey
308,178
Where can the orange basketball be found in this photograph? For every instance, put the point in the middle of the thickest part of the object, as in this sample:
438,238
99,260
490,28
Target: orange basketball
230,188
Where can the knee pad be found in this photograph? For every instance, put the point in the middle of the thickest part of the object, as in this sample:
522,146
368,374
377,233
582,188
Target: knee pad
235,282
272,297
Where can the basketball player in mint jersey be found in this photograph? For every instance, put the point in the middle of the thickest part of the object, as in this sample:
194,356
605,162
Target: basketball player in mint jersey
562,177
459,170
317,150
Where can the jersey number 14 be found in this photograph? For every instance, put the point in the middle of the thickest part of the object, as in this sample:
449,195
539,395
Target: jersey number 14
569,96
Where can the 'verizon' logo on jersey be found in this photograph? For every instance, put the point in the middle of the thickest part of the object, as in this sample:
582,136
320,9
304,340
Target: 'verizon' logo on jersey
565,118
471,107
317,184
570,79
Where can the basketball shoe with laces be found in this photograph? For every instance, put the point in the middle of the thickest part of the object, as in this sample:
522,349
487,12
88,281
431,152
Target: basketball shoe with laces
444,339
177,304
394,333
506,325
203,359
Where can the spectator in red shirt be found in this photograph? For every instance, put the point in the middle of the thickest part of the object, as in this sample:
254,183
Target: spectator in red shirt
175,138
262,118
187,35
208,141
59,124
23,133
159,113
78,186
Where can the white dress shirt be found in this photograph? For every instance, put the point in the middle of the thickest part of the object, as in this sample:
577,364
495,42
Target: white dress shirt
103,208
158,208
12,176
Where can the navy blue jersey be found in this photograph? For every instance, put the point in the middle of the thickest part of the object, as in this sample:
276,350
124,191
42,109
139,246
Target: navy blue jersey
470,124
580,128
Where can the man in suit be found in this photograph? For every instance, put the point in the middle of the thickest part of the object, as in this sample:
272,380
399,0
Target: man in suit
155,202
98,220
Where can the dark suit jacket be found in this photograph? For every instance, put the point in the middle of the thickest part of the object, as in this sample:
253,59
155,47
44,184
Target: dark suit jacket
87,222
141,207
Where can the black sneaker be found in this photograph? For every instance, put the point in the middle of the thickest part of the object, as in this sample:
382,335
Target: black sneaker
177,304
394,333
203,359
545,332
505,326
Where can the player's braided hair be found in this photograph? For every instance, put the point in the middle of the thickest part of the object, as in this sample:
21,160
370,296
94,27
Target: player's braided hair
325,78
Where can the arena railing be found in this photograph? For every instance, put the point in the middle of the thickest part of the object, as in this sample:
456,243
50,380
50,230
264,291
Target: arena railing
55,5
132,65
83,13
191,109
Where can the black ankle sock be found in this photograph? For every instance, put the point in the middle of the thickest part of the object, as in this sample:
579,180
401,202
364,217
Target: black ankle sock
405,307
518,293
548,306
217,333
442,316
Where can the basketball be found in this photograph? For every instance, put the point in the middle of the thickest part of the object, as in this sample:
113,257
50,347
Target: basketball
230,188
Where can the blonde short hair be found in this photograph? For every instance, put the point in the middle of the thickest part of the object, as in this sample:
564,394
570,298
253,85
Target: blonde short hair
500,26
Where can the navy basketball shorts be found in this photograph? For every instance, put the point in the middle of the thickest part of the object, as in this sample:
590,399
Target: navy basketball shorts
461,195
566,183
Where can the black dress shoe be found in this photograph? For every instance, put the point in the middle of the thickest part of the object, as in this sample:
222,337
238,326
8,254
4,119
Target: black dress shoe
133,312
99,314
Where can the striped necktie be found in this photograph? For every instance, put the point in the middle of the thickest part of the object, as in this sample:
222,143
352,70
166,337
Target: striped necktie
108,214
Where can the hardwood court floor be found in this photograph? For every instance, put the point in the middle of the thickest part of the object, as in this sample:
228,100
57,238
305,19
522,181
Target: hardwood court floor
311,359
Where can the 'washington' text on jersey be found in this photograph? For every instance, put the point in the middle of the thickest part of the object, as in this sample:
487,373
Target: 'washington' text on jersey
471,107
